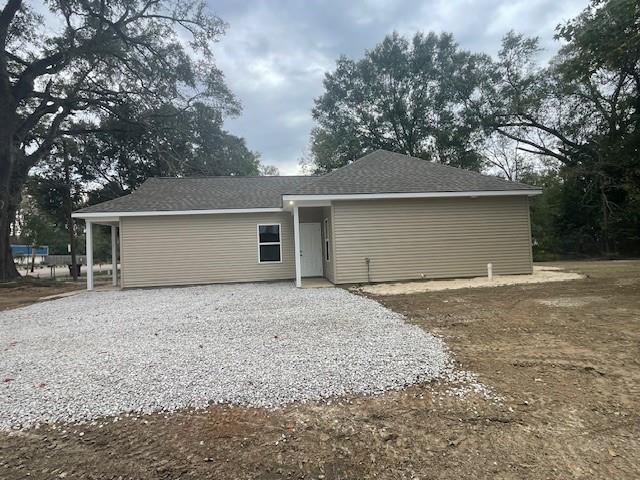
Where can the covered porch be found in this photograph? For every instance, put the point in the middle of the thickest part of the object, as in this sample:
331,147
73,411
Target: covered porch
313,242
114,225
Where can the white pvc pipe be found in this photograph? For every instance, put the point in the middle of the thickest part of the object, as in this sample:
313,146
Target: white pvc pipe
490,271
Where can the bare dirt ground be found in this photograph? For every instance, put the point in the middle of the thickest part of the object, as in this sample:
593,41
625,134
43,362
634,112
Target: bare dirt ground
26,292
564,356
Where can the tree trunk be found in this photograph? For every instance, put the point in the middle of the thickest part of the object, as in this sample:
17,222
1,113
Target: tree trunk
74,258
9,201
11,187
8,271
68,205
605,224
33,256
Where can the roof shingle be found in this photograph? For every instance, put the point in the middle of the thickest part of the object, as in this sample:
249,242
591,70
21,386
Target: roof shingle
203,193
387,172
377,172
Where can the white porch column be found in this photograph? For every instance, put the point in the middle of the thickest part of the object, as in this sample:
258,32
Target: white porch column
89,238
296,244
114,255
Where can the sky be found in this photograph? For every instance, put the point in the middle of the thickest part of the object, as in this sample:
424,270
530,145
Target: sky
276,52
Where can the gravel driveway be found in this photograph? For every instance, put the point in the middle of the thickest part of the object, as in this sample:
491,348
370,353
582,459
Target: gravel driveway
263,345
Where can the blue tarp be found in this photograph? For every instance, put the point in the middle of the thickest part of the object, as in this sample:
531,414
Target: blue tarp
26,250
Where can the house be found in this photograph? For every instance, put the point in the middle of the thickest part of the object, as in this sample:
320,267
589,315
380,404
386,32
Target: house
385,217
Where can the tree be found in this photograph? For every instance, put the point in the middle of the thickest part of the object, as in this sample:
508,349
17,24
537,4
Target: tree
37,227
269,170
583,112
105,54
58,191
162,142
503,156
408,97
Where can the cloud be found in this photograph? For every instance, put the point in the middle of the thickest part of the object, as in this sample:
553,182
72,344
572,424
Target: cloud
276,52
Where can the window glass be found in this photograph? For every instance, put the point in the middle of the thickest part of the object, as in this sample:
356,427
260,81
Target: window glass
269,233
269,243
270,253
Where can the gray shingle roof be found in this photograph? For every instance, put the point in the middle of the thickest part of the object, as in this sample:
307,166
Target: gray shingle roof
203,193
378,172
387,172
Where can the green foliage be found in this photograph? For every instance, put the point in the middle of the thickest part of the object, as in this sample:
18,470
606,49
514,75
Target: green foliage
405,96
37,227
572,126
129,86
162,142
42,224
561,217
582,111
545,210
102,59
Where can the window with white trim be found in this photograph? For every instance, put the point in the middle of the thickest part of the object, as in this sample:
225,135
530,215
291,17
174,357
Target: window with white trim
269,244
326,239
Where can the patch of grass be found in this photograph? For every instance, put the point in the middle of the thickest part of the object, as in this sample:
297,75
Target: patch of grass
32,282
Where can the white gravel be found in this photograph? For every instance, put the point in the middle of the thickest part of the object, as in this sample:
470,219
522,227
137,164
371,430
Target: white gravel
265,345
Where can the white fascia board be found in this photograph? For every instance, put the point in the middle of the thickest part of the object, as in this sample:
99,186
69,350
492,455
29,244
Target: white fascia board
157,213
290,204
382,196
101,219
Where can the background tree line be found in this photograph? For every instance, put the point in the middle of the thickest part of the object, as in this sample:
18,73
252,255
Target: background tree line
98,96
101,95
570,126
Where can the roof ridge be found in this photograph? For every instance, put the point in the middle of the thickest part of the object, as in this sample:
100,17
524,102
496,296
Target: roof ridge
342,168
332,172
194,177
457,169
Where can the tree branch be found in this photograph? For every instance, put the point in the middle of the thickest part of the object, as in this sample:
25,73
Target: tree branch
47,106
6,17
16,59
49,139
542,150
92,131
48,65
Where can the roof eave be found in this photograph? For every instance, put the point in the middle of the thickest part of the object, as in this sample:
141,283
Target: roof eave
156,213
383,196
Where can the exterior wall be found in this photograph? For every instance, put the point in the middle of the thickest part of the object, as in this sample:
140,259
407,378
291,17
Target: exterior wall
435,238
327,213
198,249
310,214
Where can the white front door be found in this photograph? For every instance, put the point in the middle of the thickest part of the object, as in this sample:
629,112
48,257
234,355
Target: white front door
310,250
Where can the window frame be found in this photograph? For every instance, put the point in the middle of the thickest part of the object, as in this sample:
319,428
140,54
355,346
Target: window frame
266,262
327,240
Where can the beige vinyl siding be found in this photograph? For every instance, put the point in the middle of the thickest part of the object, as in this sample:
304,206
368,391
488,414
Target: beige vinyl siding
435,238
328,265
198,249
